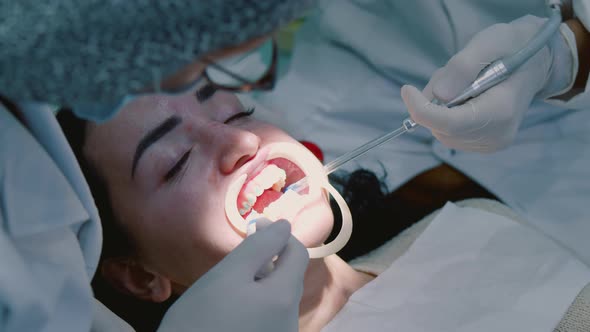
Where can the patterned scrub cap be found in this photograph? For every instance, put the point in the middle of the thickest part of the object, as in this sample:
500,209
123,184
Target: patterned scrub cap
68,52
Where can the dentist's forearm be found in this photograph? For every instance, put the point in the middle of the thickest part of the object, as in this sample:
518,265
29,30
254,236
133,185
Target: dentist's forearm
583,44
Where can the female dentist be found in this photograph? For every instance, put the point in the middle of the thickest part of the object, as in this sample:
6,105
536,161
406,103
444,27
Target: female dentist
91,56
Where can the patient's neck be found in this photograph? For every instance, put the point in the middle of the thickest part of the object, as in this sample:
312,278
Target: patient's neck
328,284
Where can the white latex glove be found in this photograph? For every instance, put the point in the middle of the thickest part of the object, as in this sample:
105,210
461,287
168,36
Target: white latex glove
490,121
228,298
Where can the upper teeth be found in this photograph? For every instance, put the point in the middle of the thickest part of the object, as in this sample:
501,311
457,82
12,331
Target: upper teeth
270,176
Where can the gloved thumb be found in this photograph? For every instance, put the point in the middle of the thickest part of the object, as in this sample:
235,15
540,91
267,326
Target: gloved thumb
262,223
259,248
424,112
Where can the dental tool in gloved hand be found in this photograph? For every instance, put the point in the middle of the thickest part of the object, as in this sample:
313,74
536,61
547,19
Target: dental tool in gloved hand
408,125
528,58
230,298
259,222
493,74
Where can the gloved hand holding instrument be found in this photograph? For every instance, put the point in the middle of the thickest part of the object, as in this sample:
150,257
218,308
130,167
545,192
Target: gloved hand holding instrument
528,58
231,298
477,101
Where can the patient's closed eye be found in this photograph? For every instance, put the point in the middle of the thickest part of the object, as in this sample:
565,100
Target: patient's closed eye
173,172
236,116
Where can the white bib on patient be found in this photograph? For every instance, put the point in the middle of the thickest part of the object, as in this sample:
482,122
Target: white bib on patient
470,270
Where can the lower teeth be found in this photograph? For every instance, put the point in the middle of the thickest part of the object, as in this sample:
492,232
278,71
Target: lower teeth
286,207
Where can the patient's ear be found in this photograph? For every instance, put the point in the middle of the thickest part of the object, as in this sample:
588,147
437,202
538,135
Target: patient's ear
133,278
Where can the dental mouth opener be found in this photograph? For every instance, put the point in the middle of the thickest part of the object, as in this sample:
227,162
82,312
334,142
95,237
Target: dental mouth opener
312,167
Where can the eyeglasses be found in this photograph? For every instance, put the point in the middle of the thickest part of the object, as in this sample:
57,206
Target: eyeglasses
253,70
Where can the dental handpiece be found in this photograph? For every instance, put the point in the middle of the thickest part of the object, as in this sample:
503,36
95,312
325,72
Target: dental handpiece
502,68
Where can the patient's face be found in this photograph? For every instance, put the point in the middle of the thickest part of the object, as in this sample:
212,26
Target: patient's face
168,162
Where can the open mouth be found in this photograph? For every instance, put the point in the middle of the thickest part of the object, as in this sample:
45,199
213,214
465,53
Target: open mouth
261,192
264,191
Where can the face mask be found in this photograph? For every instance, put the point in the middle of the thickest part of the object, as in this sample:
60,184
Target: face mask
97,112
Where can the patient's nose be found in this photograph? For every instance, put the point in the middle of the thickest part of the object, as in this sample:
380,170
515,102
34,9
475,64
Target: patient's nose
237,147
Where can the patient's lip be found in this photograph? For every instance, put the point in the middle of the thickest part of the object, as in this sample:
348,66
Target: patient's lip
255,165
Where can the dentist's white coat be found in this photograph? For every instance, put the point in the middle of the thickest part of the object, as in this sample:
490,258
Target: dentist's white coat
343,88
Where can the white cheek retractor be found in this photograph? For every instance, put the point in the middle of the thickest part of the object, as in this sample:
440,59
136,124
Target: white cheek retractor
317,181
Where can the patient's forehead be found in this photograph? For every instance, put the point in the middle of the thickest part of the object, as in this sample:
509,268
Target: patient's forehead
135,119
111,145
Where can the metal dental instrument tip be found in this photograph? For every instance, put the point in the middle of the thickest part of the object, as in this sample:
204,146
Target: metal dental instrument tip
408,125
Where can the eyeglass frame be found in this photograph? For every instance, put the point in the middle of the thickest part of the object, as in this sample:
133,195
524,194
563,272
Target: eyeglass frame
264,83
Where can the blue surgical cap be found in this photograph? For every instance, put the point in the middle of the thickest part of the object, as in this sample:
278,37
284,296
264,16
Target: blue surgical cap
72,52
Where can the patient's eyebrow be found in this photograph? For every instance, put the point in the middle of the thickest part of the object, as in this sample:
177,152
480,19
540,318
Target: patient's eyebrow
153,136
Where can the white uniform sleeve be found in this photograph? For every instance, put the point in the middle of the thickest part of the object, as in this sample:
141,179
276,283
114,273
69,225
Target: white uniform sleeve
582,12
44,283
576,99
106,321
42,124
